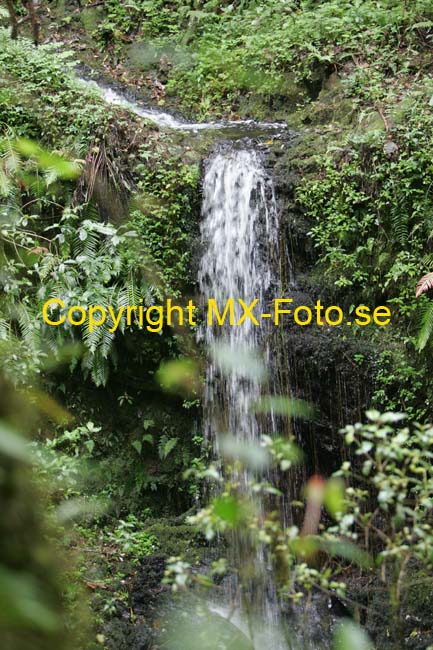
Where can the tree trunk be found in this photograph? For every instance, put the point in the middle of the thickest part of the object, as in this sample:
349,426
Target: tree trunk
12,18
31,8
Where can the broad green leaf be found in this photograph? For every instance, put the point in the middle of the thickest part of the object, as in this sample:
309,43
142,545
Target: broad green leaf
47,161
346,550
229,509
22,603
350,636
334,496
179,376
12,444
137,444
288,406
90,445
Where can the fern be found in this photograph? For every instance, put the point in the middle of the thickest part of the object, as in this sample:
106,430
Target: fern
4,329
100,370
424,284
166,446
426,326
400,227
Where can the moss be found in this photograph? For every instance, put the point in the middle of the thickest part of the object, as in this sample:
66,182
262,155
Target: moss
417,607
178,539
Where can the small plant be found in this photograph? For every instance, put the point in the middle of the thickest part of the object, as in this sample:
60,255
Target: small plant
130,541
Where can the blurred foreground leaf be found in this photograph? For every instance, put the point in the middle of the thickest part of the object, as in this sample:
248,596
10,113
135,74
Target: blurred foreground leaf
248,453
242,361
350,636
281,405
67,353
48,406
311,544
47,161
13,445
229,509
79,507
21,603
206,631
334,496
180,376
346,550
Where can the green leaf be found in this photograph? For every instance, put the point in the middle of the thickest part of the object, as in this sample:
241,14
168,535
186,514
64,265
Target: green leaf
249,453
242,361
334,496
22,604
167,447
179,376
344,549
229,509
90,445
48,161
281,405
137,446
350,636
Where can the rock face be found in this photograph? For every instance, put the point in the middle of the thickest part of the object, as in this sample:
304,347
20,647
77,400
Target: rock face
147,599
147,592
316,363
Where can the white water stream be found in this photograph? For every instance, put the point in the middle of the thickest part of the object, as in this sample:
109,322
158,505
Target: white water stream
239,238
168,121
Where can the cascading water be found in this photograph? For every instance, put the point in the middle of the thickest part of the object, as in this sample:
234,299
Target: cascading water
239,236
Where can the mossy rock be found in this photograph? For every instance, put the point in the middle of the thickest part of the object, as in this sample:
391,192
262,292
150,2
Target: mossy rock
417,608
176,539
122,635
412,625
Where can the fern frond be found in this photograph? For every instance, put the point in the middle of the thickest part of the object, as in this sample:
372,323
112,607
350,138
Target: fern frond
5,184
100,370
399,219
92,339
426,326
424,284
10,157
4,329
106,343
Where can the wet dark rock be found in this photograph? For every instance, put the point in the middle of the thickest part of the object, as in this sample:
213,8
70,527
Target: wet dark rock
146,588
123,635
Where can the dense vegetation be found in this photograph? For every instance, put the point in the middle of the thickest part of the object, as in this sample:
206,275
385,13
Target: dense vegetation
98,206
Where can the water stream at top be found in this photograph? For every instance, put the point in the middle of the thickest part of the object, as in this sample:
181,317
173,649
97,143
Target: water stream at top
167,120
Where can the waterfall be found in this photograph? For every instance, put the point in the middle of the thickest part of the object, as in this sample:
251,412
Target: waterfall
240,258
239,238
